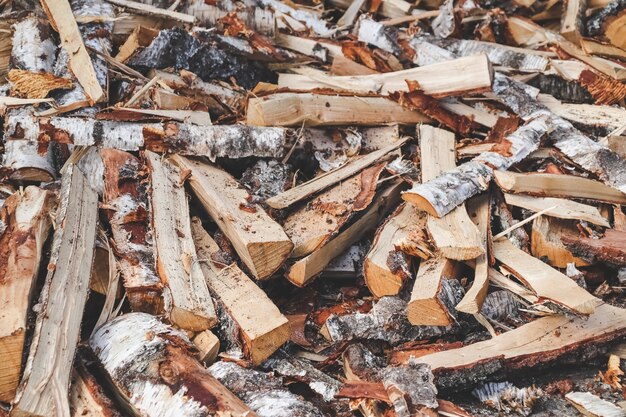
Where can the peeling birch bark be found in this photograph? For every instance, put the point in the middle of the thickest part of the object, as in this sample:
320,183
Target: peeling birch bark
127,202
441,195
153,369
24,216
187,300
588,154
45,382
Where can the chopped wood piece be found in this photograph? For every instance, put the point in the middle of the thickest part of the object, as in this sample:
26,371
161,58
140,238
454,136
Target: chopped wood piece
556,185
263,330
304,270
546,282
463,75
62,20
572,19
593,406
87,398
152,368
321,182
188,302
25,223
563,209
454,235
128,206
611,248
150,10
546,244
387,265
34,84
208,346
296,109
439,196
546,340
605,50
45,381
260,242
429,299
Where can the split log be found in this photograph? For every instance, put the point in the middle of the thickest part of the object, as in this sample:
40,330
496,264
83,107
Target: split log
25,221
609,22
188,302
556,185
126,200
454,234
387,264
62,19
441,195
152,368
147,9
611,248
545,243
259,241
594,406
296,109
45,381
262,331
608,117
87,398
546,282
233,141
463,75
605,50
321,182
563,209
312,225
479,209
208,346
429,303
269,398
572,19
305,269
547,340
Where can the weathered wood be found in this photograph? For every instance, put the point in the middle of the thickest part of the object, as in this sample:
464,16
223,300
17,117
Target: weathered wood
611,248
323,181
442,194
546,282
45,381
262,330
152,368
87,398
556,185
593,406
546,244
305,269
259,241
463,75
62,20
296,109
188,302
563,209
25,220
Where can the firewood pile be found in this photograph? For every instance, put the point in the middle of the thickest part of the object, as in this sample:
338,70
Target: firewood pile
304,208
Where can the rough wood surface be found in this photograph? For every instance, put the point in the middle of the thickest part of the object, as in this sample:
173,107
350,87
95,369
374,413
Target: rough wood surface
24,216
593,406
87,398
565,209
150,10
546,242
187,301
572,19
428,306
152,368
45,381
263,328
611,248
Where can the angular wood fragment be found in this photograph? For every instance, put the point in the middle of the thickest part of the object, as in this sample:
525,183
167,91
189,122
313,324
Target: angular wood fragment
264,329
142,8
427,306
87,398
152,368
572,19
188,302
259,241
26,223
304,270
546,282
611,248
62,20
208,346
556,185
546,244
45,382
34,84
565,209
295,109
606,50
593,406
321,182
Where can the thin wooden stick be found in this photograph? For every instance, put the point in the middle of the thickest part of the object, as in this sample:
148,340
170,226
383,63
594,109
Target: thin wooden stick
523,222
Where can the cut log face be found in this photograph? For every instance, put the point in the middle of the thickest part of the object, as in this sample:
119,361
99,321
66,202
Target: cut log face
188,302
260,242
125,195
262,331
45,382
429,304
152,367
25,216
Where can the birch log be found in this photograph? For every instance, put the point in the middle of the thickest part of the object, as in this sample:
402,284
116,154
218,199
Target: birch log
45,382
127,202
153,369
187,300
441,195
25,218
